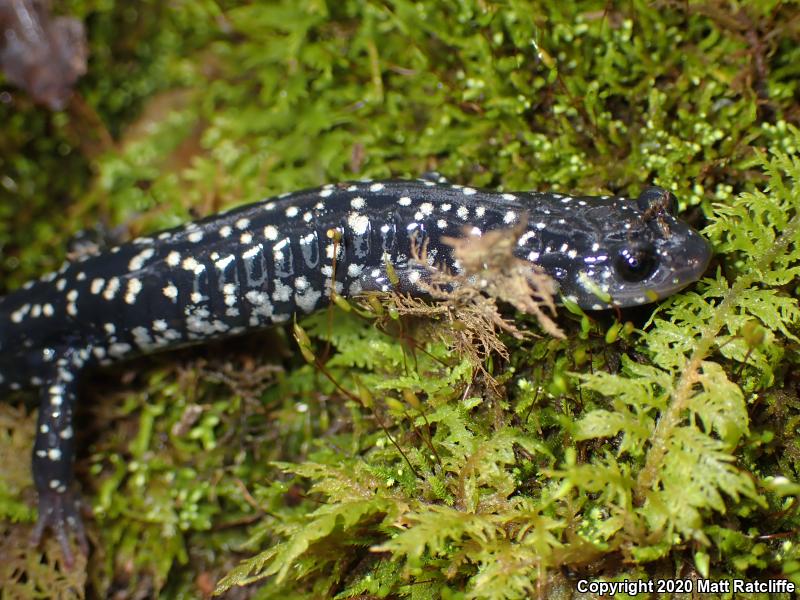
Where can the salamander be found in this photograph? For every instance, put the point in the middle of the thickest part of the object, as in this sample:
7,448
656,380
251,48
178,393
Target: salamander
258,265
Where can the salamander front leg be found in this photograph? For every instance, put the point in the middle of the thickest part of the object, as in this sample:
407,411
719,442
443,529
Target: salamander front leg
53,457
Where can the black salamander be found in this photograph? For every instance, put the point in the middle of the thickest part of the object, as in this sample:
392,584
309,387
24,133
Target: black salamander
258,265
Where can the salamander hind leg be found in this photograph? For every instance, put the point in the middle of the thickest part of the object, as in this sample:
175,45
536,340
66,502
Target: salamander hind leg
54,455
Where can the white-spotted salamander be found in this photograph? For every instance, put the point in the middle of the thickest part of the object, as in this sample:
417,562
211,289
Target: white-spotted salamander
258,265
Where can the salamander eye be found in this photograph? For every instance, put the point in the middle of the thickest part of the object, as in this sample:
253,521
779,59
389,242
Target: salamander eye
636,263
656,200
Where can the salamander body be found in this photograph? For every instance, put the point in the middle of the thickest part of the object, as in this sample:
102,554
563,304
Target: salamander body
257,265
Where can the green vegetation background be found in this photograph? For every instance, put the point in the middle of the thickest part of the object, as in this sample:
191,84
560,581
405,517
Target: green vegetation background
664,448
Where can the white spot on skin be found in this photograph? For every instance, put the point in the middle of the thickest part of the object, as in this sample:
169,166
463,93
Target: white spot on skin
96,286
358,203
159,325
174,258
307,301
445,207
224,262
509,197
190,264
301,283
533,256
462,212
476,231
468,191
242,223
18,315
441,224
331,247
134,287
170,291
195,236
292,211
282,292
595,247
110,328
540,225
196,297
308,217
509,217
252,253
141,336
413,277
257,298
358,223
354,270
119,349
376,187
404,201
137,262
61,284
325,193
111,289
66,433
271,232
225,231
246,238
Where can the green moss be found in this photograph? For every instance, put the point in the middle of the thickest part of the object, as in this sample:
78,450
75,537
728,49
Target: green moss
392,466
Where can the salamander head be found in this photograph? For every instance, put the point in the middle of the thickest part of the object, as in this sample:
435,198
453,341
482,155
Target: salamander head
627,252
